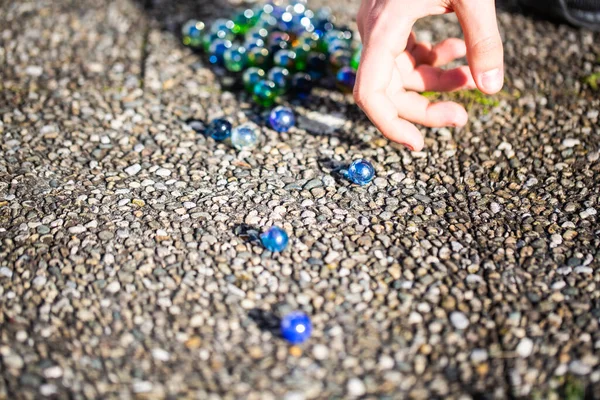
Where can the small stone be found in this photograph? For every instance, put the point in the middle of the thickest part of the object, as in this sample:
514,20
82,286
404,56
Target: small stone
13,361
48,389
571,142
160,355
479,355
77,229
459,320
142,387
525,347
163,172
583,270
6,272
113,287
39,281
495,207
133,170
578,367
587,213
356,387
138,202
53,372
34,70
320,352
106,235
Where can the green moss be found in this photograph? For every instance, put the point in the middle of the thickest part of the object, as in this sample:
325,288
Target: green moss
469,98
574,389
593,80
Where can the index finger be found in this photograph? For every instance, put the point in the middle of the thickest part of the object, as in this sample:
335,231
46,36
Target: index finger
374,75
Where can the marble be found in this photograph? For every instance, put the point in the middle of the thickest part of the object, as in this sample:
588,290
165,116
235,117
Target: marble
282,119
219,129
275,239
245,137
296,327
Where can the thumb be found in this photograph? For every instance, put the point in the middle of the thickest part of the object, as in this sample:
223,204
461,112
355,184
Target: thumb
484,46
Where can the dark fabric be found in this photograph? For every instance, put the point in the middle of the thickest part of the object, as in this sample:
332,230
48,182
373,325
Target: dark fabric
583,13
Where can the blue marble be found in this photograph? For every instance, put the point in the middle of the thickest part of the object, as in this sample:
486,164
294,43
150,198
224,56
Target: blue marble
282,119
217,50
192,32
253,42
301,85
221,25
275,239
296,327
360,172
279,76
285,59
345,79
244,137
277,41
219,129
316,64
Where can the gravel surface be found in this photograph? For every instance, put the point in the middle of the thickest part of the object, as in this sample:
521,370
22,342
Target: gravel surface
468,270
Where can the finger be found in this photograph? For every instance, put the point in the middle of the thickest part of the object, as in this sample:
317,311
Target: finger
447,51
386,42
484,46
414,107
428,78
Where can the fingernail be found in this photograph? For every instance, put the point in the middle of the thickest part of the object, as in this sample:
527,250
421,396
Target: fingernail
492,81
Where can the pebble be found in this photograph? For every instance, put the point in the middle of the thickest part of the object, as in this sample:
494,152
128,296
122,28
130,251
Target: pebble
356,387
39,282
134,169
525,347
163,172
13,360
577,367
6,272
77,229
479,355
320,352
160,355
459,320
571,142
53,372
113,287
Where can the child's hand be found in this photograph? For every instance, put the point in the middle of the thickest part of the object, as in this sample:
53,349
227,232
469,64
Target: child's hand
394,66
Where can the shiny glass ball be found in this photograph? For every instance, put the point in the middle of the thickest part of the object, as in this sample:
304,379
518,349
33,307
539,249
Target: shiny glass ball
282,119
221,25
316,65
301,84
355,61
217,51
277,41
219,129
209,38
360,172
252,43
251,77
192,33
265,92
345,79
244,137
235,59
259,57
244,21
275,239
339,59
285,59
296,327
280,77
